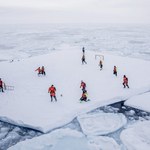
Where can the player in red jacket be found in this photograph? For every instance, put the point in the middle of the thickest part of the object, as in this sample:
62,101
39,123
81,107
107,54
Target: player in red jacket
39,70
125,82
115,70
43,70
1,85
52,91
83,85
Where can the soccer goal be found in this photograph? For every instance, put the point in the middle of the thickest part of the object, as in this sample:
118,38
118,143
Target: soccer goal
101,57
8,87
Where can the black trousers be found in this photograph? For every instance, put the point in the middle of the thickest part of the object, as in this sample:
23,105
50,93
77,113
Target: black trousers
125,85
83,99
53,97
115,73
1,88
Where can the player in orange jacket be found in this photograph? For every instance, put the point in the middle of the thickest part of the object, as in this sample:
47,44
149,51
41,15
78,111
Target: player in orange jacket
125,82
52,91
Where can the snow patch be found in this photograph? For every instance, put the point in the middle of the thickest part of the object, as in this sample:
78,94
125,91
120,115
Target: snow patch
102,142
137,136
141,102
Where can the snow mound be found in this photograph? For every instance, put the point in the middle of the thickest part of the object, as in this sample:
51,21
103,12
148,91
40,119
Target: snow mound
140,102
137,136
101,123
101,142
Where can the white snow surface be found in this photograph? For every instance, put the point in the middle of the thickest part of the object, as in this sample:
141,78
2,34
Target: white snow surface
102,142
29,104
101,124
67,139
141,101
137,136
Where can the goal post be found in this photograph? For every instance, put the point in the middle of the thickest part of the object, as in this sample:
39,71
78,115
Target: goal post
9,88
101,57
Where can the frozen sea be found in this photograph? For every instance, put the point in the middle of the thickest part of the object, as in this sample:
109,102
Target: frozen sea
19,41
23,41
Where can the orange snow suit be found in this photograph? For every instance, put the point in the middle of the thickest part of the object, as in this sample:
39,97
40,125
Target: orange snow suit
52,90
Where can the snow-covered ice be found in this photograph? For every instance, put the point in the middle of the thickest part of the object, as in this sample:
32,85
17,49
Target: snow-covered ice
137,136
101,123
102,142
141,101
68,140
29,104
54,140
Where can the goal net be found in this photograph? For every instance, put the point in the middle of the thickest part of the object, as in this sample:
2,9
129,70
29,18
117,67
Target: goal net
101,57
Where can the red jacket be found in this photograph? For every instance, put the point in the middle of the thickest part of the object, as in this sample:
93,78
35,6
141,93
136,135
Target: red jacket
52,90
38,69
43,69
83,85
115,69
1,83
125,80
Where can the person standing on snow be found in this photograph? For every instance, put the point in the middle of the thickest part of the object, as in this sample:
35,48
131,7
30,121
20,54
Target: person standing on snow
83,86
43,71
39,70
83,59
115,70
83,50
52,91
101,64
1,85
125,82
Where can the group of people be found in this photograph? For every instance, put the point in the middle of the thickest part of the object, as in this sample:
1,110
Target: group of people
41,70
125,79
52,89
